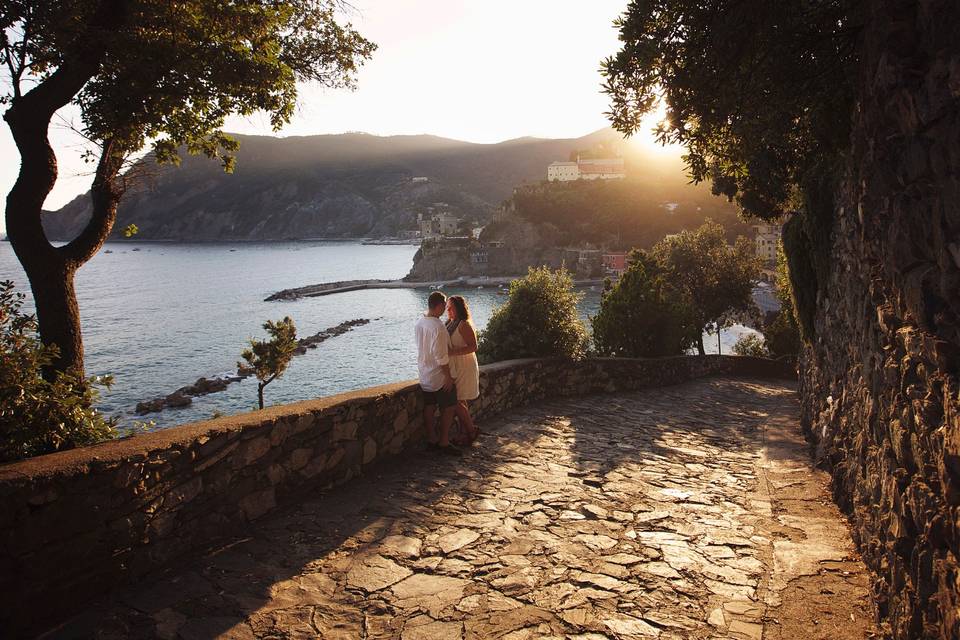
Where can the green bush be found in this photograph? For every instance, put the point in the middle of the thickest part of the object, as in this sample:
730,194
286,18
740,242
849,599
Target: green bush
538,320
39,416
751,345
783,333
641,316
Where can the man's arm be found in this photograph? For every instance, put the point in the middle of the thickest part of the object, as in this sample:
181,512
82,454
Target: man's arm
441,352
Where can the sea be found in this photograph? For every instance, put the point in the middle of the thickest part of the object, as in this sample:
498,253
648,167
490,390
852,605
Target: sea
158,316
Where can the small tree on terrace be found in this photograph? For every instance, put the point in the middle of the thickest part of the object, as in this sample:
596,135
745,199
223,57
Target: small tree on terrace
269,358
641,315
539,319
715,279
144,72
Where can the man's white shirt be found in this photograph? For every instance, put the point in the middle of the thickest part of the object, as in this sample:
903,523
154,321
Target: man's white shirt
433,346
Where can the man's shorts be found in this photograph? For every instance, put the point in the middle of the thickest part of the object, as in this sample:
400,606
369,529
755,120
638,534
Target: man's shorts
444,399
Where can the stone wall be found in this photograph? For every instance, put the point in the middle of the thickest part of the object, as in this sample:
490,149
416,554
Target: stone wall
76,523
879,386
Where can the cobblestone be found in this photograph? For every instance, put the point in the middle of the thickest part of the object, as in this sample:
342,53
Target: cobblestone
681,512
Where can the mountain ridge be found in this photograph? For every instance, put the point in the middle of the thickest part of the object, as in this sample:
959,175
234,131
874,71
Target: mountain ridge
333,185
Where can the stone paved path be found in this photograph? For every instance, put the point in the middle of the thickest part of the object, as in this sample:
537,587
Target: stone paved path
683,512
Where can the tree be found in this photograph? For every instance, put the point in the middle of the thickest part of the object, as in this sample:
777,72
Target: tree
38,416
715,279
539,319
144,72
641,315
757,114
766,117
269,358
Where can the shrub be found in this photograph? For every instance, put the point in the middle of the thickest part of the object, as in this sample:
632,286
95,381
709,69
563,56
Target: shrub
751,344
783,334
539,319
641,316
40,416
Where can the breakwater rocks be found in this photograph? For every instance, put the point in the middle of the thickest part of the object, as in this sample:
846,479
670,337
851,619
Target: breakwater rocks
325,288
183,396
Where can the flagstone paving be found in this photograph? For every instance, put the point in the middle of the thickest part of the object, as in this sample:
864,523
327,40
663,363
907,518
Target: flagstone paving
682,512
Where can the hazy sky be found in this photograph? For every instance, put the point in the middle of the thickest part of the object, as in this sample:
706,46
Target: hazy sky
478,71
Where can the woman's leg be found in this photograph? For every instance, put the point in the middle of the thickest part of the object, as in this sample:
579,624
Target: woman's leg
463,415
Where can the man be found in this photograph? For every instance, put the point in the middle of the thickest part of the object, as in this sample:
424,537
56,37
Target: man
433,346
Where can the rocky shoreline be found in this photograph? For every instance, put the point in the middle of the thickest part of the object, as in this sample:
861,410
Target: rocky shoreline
183,396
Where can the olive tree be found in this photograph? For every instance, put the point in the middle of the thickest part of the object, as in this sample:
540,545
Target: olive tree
715,279
144,73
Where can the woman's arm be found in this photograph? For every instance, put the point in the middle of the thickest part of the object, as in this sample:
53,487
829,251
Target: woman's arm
469,336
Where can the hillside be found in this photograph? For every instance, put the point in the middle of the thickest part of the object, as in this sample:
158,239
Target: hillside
344,185
617,214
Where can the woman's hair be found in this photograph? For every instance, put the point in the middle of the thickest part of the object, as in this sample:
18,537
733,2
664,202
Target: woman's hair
460,304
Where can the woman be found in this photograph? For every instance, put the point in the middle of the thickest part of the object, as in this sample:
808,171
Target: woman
463,363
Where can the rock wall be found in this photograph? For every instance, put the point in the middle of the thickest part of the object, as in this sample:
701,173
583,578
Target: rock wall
76,523
879,385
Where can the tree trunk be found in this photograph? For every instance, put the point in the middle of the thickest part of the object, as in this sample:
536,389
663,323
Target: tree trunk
700,348
719,352
58,315
260,387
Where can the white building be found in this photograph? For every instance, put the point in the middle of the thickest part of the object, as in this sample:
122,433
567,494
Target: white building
562,171
767,240
591,169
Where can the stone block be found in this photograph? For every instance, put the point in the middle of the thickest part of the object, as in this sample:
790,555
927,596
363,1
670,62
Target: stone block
257,504
369,450
345,431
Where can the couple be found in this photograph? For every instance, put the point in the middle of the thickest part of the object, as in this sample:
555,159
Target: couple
449,376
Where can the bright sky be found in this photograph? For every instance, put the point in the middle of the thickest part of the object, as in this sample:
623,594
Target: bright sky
477,71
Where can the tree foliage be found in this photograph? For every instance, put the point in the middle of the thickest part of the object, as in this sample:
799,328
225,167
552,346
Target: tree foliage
269,358
783,333
759,92
539,319
38,416
145,72
715,279
751,345
642,315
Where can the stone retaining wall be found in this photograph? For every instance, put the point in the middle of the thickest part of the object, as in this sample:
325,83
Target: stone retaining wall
76,523
879,387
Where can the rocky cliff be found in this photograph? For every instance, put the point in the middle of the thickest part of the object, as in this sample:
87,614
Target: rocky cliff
323,186
880,380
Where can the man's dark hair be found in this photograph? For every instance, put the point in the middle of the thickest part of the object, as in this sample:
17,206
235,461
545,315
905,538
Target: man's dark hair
436,298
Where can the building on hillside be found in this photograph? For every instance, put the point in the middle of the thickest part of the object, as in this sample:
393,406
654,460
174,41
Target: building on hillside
601,169
562,171
437,225
586,169
615,263
766,241
420,179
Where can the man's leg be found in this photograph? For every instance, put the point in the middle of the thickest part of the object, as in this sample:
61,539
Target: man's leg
429,410
446,419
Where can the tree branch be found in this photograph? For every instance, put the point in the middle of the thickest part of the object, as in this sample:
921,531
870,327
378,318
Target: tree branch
105,194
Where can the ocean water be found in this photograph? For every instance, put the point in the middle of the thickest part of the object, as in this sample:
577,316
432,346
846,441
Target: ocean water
159,316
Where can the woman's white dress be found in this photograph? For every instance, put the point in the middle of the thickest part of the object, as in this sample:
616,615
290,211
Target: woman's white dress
464,369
